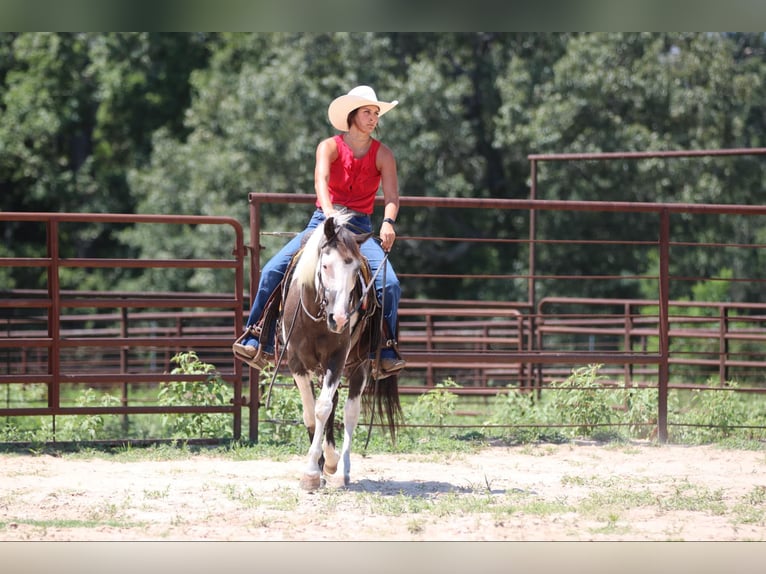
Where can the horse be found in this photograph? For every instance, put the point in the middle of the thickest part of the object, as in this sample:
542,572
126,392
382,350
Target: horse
328,327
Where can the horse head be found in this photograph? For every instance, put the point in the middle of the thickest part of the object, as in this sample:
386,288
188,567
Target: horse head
338,271
329,265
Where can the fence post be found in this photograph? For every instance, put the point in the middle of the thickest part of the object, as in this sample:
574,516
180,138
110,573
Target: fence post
664,296
723,344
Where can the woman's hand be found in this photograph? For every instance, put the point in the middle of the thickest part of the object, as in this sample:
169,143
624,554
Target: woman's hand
387,236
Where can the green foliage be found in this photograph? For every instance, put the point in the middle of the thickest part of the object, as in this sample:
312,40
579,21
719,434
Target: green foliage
213,391
515,407
190,123
29,428
435,406
283,416
713,415
640,412
79,428
77,113
718,415
68,428
582,401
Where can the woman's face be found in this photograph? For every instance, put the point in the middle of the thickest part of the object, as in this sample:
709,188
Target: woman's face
366,118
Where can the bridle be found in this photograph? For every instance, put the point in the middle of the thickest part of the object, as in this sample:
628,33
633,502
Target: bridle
322,290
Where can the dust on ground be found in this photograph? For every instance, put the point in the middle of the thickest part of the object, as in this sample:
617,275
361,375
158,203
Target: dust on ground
566,492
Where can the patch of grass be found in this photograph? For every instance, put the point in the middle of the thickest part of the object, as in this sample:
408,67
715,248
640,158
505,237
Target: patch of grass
744,513
611,527
567,480
246,496
538,449
284,499
741,443
694,498
415,526
64,523
616,499
541,507
757,496
105,512
157,494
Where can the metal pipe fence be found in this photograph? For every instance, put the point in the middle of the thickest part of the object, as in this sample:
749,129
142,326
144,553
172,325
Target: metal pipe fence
61,335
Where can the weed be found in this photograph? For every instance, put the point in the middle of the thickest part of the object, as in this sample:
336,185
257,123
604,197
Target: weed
583,401
580,406
157,494
514,407
713,415
691,497
213,391
435,406
247,497
286,499
611,527
640,411
283,415
415,526
80,428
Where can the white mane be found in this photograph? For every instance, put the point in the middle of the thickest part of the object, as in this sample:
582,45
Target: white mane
306,268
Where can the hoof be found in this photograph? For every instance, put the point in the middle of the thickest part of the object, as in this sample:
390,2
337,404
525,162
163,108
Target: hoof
310,482
337,481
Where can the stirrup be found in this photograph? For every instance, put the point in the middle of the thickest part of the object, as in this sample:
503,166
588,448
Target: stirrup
260,359
385,367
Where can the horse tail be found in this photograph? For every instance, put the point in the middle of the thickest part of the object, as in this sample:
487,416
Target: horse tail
381,400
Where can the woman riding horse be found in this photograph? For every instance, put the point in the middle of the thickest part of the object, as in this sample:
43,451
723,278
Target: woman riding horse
349,169
327,329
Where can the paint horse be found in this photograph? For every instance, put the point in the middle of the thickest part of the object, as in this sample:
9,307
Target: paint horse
329,323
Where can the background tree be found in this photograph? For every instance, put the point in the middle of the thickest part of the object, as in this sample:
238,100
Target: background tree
635,92
76,112
191,123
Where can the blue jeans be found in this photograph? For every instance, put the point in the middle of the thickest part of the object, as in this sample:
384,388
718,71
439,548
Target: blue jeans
274,271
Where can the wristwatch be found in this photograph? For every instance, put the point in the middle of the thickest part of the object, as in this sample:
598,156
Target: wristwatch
389,220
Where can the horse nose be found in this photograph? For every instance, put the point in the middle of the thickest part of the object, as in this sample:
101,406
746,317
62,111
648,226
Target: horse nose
337,321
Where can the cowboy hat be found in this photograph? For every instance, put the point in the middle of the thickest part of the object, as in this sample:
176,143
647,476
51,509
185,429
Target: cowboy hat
360,96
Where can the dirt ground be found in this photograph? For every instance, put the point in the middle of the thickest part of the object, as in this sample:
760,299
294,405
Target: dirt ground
566,492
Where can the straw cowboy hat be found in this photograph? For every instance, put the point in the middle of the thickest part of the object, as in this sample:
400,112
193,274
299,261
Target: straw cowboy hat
356,98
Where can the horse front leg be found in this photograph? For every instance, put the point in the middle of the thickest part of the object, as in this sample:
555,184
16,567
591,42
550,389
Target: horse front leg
306,390
351,412
323,406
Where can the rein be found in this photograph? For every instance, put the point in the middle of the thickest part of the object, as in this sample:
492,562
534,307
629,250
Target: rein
320,315
380,345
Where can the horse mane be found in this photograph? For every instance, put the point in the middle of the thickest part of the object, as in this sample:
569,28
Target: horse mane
306,267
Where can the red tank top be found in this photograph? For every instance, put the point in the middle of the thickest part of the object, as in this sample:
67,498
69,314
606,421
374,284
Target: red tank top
354,182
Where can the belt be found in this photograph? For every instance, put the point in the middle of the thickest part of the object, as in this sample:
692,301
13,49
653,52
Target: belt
344,209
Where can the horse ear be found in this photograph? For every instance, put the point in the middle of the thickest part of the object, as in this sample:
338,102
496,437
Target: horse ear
329,228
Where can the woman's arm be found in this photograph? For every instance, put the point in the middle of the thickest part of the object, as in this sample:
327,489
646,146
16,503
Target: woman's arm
327,152
390,182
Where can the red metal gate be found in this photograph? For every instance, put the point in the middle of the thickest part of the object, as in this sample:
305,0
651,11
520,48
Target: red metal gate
42,348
